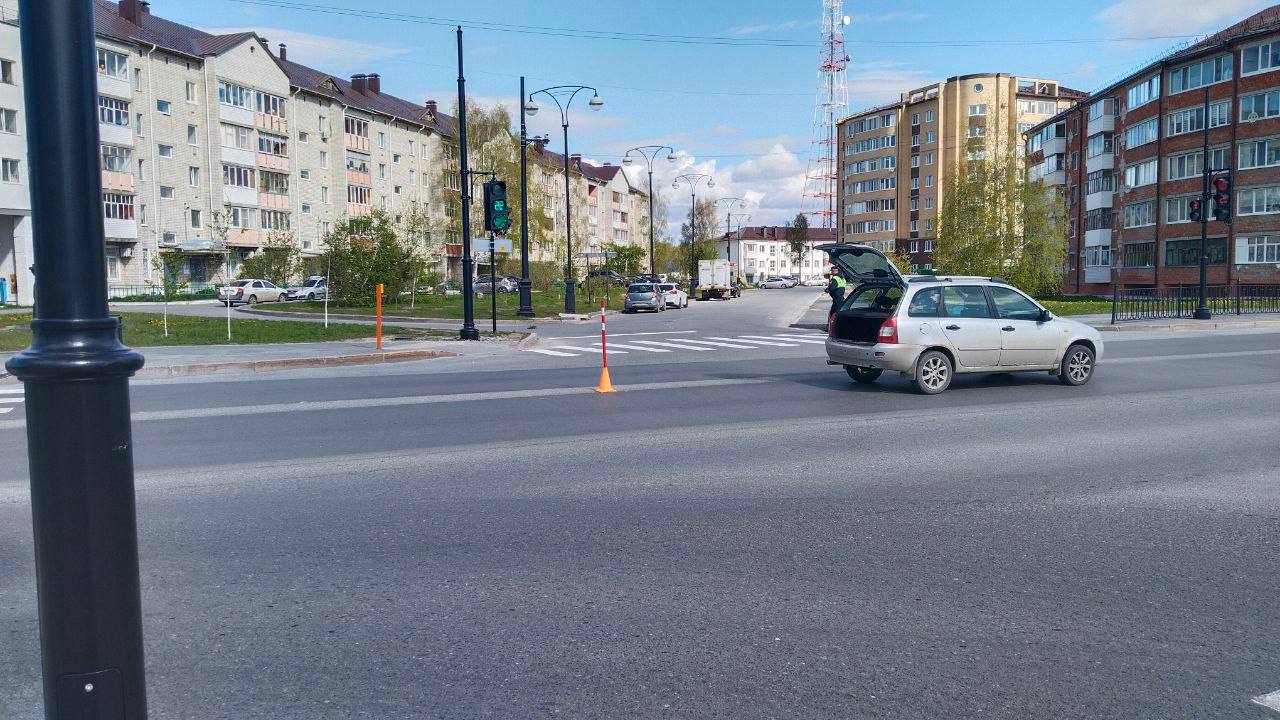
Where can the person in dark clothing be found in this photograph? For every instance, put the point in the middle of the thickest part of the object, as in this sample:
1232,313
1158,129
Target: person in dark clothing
835,288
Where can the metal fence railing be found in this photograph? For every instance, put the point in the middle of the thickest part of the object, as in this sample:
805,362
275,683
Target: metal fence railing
115,292
1181,301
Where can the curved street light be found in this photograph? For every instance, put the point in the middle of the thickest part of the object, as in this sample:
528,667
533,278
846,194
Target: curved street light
563,96
728,218
692,180
650,153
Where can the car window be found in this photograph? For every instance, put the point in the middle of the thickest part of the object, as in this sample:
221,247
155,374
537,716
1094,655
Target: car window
257,283
640,289
1013,305
268,283
668,287
240,283
965,301
926,303
873,297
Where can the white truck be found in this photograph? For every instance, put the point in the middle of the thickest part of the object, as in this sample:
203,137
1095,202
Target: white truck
714,280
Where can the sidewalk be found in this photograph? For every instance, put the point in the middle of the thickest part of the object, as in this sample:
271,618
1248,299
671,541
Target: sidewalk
180,360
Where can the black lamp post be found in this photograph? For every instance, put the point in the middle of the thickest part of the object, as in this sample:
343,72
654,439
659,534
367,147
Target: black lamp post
650,153
526,285
76,373
728,218
692,180
563,96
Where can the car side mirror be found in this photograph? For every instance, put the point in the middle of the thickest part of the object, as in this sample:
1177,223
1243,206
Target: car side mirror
1045,316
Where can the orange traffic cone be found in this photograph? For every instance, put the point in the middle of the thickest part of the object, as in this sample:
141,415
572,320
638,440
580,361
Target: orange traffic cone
606,385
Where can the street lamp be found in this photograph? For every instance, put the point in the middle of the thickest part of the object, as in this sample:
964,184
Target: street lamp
728,218
692,180
563,96
526,285
650,153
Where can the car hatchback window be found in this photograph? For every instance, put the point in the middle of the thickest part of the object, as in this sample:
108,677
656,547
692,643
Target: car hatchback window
873,297
640,289
926,303
966,302
1012,305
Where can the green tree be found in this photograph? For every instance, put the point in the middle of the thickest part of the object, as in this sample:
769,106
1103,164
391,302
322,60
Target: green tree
705,240
277,261
628,260
365,251
797,237
995,221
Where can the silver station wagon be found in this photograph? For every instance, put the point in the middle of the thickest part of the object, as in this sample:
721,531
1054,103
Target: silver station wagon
932,328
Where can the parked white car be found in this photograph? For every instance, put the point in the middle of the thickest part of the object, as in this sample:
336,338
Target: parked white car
776,283
251,292
814,282
932,328
676,297
313,289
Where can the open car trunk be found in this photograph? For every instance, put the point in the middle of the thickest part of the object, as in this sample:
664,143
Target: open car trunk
864,311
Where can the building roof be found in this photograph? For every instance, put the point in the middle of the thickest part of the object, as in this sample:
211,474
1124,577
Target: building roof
321,83
1259,23
779,232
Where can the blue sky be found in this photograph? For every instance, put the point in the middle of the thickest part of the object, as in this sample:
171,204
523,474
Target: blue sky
742,113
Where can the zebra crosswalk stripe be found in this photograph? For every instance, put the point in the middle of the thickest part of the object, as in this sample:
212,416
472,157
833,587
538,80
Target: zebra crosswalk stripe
585,349
10,400
794,338
721,344
672,345
757,342
554,353
638,347
11,391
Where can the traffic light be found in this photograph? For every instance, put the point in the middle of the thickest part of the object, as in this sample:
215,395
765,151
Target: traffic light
1222,198
1195,210
497,212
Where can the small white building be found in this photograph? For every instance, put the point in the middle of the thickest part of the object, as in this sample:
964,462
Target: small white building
761,251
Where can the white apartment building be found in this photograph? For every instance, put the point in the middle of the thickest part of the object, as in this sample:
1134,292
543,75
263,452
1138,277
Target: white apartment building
15,197
762,251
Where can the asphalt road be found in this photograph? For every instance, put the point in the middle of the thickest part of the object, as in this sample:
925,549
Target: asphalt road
748,535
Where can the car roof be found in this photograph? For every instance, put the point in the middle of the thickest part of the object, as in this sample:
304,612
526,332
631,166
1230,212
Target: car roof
975,279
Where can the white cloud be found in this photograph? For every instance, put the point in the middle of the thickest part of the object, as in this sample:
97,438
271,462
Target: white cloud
889,17
767,27
873,83
771,184
1141,18
337,56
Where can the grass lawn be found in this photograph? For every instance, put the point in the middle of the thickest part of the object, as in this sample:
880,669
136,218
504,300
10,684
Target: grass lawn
546,303
1081,305
147,330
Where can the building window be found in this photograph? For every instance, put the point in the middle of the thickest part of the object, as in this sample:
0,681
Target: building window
273,144
1260,153
268,104
1259,249
928,203
274,220
273,182
162,107
6,72
116,158
193,176
1258,201
9,121
928,158
137,122
382,139
1099,219
975,110
191,92
238,176
235,136
303,136
193,137
306,208
234,95
1139,174
1140,214
324,194
1143,93
165,150
382,170
240,218
1099,181
1260,58
930,136
928,181
928,116
117,206
113,112
1176,209
166,192
1187,252
113,262
395,158
324,159
195,217
1192,119
113,64
361,195
915,119
1099,144
1259,106
357,127
10,170
304,174
1142,133
1199,74
1139,255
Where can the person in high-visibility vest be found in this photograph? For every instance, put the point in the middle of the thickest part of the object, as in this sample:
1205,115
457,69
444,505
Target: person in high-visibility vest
835,288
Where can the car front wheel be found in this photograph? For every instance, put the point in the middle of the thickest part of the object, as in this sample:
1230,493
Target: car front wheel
311,296
253,299
933,372
1077,366
863,375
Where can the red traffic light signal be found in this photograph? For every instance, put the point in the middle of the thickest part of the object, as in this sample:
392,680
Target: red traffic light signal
1194,211
1222,198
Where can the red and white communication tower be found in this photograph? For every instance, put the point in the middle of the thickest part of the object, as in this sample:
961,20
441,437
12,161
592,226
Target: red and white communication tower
831,105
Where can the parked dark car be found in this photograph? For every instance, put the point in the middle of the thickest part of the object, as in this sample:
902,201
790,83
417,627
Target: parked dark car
607,276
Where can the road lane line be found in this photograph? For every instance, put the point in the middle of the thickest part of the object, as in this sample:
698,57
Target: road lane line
636,347
613,334
1271,700
672,345
774,343
551,352
720,344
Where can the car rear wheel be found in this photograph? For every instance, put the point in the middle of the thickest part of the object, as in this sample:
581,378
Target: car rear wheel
933,372
863,375
1077,366
253,299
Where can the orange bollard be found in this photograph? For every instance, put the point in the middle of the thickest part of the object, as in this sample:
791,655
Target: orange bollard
606,385
378,304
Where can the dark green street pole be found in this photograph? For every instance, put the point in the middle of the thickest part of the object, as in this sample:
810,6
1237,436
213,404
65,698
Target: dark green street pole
79,438
469,330
526,285
1202,306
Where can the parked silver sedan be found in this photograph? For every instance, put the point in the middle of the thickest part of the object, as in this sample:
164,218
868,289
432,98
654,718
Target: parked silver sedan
251,292
931,328
314,288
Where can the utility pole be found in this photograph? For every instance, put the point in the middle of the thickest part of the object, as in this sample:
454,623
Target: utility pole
526,285
469,330
76,373
1202,307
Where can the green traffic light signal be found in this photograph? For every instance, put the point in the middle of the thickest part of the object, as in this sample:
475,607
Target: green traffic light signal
497,213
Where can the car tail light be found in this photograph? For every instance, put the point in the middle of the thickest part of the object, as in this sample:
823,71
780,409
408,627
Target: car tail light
239,291
889,331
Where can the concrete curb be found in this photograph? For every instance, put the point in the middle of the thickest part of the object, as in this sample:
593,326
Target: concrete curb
1209,325
290,363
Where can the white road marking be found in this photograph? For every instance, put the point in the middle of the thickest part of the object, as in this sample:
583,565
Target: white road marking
635,334
637,347
672,345
11,400
1190,356
754,342
720,344
592,350
1270,701
11,391
754,338
553,352
796,338
5,410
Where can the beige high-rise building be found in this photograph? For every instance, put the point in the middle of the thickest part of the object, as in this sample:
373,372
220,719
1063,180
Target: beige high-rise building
895,159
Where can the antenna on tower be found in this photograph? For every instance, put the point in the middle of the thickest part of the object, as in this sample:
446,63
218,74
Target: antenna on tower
831,104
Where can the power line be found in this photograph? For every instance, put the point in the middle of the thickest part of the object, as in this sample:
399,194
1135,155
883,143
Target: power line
712,40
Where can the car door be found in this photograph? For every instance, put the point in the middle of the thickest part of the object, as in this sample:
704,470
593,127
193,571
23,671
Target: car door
970,326
1025,341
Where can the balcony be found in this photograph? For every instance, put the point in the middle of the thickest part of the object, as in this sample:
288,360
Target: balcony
236,156
1102,123
117,181
1104,161
356,177
1094,238
272,201
271,123
120,229
1097,274
273,162
115,134
237,237
453,250
236,115
236,195
358,210
1100,199
357,143
1054,146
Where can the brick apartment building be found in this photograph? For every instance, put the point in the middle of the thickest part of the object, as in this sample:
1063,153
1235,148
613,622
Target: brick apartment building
1129,159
